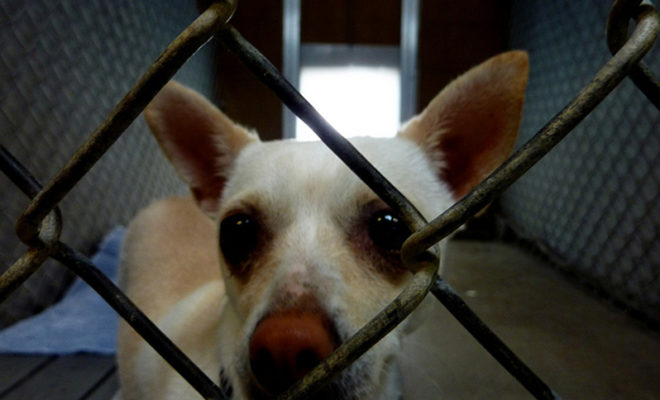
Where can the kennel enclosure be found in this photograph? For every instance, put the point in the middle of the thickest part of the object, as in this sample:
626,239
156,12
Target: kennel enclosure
40,224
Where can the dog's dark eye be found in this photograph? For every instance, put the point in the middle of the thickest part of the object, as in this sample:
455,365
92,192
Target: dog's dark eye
387,231
239,235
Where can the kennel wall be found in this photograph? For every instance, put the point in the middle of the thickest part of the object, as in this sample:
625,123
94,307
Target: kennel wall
591,203
61,70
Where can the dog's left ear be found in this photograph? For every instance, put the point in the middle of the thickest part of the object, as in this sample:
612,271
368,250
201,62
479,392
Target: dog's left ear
198,139
470,127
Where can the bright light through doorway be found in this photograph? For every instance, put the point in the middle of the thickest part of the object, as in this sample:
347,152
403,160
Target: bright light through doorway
356,100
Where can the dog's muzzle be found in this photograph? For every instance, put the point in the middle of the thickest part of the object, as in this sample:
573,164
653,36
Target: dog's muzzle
287,345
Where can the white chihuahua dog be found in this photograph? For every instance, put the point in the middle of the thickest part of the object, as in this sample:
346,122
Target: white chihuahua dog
283,253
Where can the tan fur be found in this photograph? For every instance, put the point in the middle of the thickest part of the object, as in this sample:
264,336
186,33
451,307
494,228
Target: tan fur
477,105
184,237
168,256
199,124
313,214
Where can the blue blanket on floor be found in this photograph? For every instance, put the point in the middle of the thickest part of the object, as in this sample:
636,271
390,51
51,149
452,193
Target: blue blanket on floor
80,322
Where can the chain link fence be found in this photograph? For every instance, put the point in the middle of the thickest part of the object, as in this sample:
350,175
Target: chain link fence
592,202
40,225
61,71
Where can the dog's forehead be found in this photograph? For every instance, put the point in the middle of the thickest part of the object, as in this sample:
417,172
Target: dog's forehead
292,173
291,165
287,161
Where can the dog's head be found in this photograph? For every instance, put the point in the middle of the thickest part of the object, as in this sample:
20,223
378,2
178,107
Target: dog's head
308,252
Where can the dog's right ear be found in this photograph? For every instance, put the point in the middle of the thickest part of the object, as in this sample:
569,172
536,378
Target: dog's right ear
198,139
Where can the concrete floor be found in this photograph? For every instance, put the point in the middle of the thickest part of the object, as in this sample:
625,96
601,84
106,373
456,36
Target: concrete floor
582,347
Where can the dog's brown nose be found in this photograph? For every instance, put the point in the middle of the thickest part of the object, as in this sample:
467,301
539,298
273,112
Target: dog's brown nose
287,345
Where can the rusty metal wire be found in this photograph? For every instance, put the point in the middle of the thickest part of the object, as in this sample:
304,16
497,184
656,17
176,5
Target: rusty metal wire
552,133
161,71
40,223
271,77
83,267
49,232
602,84
617,35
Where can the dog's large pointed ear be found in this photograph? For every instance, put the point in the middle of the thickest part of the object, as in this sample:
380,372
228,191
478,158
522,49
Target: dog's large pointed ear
198,139
470,127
